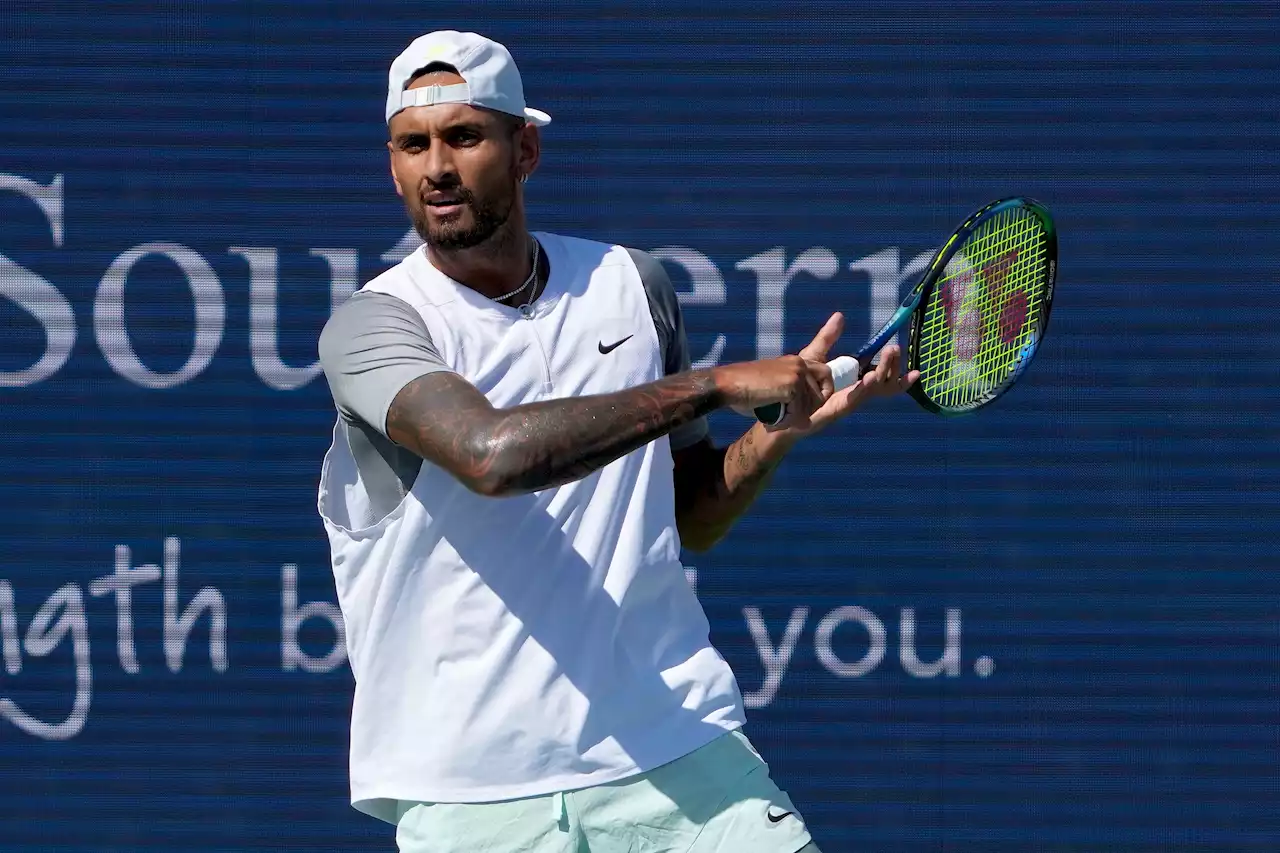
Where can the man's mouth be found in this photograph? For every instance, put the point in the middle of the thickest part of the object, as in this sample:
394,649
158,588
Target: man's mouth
444,203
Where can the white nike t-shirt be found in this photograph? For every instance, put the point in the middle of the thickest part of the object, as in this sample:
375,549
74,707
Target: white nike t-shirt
510,647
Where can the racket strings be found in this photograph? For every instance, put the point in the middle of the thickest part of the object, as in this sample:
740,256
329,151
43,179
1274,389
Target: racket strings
962,353
965,340
974,358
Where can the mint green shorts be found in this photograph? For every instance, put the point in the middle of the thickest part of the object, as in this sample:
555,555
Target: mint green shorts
717,799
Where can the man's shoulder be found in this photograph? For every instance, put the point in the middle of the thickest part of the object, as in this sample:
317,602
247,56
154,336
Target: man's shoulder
366,312
394,279
598,254
394,291
602,251
367,304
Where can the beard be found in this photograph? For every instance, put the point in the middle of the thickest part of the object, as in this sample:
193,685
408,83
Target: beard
487,217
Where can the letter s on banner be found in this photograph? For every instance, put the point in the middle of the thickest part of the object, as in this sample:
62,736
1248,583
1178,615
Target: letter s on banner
113,337
34,294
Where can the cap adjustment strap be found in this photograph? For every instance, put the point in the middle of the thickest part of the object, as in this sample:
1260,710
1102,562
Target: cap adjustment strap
425,96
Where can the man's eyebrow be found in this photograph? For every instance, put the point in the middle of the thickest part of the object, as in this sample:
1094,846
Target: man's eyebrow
409,137
465,124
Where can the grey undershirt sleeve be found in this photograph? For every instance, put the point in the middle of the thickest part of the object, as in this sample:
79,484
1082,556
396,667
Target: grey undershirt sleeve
373,346
664,305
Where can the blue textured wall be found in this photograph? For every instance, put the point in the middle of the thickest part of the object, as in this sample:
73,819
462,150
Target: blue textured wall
1085,571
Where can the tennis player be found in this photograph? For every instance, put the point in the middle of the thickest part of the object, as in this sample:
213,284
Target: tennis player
519,456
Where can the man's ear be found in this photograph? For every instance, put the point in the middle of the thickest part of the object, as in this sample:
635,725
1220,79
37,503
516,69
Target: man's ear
529,149
391,155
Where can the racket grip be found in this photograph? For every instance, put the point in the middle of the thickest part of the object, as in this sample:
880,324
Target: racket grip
845,371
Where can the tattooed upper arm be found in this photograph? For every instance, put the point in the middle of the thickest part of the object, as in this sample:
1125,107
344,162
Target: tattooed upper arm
444,419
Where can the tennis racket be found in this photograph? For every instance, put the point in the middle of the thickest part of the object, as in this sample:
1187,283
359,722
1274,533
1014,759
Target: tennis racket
977,314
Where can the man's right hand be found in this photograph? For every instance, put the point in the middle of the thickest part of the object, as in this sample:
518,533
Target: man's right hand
802,385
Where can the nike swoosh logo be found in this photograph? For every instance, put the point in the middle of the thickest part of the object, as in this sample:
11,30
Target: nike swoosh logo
775,818
605,350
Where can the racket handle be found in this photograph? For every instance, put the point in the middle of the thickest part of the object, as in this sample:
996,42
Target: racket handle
845,371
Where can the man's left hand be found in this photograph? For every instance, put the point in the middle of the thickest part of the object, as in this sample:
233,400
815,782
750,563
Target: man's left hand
882,380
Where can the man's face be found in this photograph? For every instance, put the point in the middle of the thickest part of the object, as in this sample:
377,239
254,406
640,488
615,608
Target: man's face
457,168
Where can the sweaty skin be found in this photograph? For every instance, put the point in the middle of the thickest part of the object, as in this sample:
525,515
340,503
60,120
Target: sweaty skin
444,419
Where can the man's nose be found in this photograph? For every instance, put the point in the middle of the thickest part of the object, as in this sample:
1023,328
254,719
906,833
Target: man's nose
440,168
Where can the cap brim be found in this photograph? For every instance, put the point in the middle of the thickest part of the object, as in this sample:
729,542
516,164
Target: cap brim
536,117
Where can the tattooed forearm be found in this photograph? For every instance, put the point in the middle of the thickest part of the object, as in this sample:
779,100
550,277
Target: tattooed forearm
715,487
446,420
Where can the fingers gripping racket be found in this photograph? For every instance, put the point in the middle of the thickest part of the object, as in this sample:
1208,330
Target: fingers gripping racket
977,315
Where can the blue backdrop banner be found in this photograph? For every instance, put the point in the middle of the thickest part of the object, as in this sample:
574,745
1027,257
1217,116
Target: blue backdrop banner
1049,627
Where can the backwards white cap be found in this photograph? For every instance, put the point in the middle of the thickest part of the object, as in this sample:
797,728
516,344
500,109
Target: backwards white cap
491,79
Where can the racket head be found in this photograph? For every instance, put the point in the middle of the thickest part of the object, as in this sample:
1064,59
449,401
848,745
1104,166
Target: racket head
987,297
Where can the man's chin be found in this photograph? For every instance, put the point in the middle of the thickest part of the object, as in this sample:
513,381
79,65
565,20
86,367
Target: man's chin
450,236
451,239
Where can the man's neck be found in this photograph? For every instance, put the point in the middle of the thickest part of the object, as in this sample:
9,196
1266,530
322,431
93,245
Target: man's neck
496,267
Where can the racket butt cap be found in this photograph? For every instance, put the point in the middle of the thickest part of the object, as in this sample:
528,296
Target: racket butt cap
844,371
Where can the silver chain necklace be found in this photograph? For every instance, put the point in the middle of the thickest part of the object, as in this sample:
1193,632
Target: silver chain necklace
533,276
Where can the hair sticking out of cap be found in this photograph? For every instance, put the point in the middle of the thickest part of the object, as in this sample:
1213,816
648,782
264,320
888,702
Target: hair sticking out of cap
432,68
